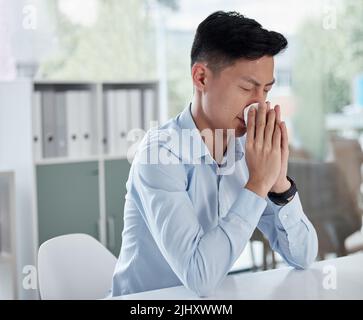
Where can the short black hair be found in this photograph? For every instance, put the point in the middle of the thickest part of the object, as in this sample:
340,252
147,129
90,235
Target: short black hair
224,37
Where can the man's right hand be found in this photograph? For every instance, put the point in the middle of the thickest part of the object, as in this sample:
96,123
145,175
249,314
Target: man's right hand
263,149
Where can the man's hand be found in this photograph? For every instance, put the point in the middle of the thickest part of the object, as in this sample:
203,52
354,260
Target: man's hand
282,184
263,149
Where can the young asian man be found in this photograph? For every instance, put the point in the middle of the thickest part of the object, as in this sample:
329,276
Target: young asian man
188,219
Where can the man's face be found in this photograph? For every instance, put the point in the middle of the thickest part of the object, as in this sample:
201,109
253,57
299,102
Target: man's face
227,94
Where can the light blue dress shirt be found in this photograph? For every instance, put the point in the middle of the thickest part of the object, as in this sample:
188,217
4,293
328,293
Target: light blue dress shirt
187,222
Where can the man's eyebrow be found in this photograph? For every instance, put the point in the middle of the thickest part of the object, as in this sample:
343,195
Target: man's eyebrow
256,83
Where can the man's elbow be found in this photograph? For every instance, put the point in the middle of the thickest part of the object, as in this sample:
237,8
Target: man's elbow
302,264
203,277
202,285
203,290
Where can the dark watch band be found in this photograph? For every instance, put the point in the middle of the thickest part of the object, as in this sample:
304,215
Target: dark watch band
283,197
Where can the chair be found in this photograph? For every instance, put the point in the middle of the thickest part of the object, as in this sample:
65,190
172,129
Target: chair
348,156
327,202
299,153
268,255
74,266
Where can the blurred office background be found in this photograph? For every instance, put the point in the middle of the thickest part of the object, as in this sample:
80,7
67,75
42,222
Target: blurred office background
77,75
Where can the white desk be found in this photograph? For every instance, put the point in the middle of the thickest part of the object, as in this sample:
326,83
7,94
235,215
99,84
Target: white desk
283,283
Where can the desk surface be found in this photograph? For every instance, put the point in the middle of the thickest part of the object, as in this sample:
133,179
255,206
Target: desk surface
340,278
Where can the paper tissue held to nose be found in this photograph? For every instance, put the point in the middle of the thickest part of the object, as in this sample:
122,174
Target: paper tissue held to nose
253,105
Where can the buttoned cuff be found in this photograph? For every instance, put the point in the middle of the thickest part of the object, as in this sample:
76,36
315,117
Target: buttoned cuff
290,214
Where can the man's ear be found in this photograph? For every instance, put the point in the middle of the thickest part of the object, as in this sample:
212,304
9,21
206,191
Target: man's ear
199,76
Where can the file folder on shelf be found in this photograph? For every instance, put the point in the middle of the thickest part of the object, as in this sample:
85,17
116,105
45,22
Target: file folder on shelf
134,109
54,127
48,125
121,123
149,111
87,124
73,130
110,122
37,125
61,125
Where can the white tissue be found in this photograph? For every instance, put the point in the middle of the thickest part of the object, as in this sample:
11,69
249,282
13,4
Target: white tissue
245,111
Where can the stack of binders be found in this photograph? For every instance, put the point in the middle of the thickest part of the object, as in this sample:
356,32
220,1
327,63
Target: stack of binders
81,120
64,124
127,112
65,121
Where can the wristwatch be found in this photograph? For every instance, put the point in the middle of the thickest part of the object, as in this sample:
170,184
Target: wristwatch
283,197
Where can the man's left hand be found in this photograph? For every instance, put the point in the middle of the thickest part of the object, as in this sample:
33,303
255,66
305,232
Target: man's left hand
282,184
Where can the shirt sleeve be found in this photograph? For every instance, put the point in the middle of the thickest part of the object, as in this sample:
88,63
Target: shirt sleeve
290,232
200,258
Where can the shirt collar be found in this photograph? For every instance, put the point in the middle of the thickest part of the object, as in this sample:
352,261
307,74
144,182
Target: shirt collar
185,121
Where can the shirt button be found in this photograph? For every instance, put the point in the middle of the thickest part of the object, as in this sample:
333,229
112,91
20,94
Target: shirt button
284,216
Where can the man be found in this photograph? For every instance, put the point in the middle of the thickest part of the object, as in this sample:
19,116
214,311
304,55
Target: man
188,219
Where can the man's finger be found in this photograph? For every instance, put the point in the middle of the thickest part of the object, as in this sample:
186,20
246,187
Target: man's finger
260,123
276,142
251,126
269,130
284,137
278,113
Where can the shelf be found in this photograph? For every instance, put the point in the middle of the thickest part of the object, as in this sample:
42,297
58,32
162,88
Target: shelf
66,160
79,160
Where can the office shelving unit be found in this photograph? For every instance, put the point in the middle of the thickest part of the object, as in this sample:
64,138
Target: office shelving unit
7,233
81,134
57,190
67,143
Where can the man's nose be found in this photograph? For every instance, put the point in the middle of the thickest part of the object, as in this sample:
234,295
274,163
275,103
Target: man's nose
259,96
256,101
